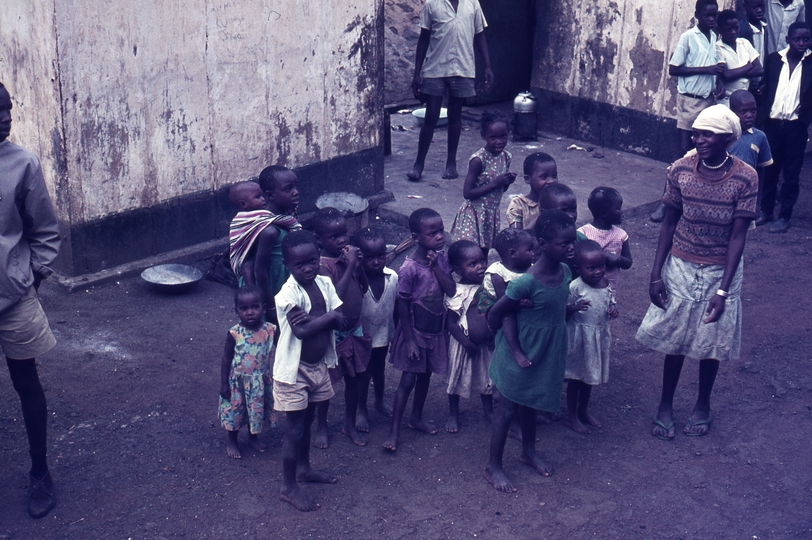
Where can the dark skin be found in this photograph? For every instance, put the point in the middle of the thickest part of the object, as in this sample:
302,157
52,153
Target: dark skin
373,255
434,104
283,199
604,221
350,287
754,9
249,309
547,271
315,330
729,31
430,239
543,174
743,105
471,270
711,149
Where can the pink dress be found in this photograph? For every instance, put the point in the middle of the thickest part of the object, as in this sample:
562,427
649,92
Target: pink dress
612,242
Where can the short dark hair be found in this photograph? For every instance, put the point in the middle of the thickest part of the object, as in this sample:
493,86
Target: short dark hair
247,290
324,217
586,246
533,159
295,239
725,15
420,215
740,96
702,3
235,192
508,239
367,234
492,117
456,250
551,191
268,176
601,199
550,223
797,25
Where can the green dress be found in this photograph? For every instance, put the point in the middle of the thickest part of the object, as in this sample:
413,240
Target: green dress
543,338
277,271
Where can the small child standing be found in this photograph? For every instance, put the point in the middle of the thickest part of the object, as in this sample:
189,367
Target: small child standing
469,356
488,177
516,251
244,371
377,318
342,264
590,339
528,365
606,206
307,310
539,170
420,346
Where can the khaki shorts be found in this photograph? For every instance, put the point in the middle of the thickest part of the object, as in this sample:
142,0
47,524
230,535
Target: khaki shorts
24,330
312,386
688,108
458,87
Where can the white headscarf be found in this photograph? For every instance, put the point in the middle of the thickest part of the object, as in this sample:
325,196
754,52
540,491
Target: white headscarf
719,119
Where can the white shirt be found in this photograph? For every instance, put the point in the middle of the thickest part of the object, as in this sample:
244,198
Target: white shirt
788,92
377,315
451,49
695,50
289,348
744,54
758,38
778,20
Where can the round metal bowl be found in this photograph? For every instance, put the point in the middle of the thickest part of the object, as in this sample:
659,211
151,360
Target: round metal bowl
173,278
420,115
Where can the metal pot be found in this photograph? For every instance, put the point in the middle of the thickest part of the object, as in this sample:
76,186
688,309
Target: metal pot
525,102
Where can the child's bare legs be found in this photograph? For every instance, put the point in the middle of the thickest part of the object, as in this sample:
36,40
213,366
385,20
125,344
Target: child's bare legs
232,448
700,417
322,438
664,421
527,417
362,416
452,425
421,391
487,406
578,393
375,372
296,460
351,409
407,382
253,442
493,472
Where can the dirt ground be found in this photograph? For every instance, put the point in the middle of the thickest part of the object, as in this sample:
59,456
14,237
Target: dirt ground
137,452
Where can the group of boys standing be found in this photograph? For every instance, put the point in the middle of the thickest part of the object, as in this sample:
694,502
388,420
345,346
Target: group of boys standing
720,59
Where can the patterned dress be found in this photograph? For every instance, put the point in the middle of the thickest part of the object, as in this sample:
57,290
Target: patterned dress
611,241
478,220
250,403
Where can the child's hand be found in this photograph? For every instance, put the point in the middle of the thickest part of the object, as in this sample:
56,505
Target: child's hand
580,305
505,179
526,303
412,352
225,391
431,255
521,359
297,316
716,69
338,318
471,348
351,256
613,312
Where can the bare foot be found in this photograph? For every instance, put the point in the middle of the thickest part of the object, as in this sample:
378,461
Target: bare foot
541,466
515,433
310,475
253,442
233,450
299,500
391,443
362,421
544,417
420,425
355,436
577,426
450,171
452,425
417,172
384,408
498,480
588,419
322,437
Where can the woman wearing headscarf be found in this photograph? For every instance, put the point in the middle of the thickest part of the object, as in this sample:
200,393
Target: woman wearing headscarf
710,199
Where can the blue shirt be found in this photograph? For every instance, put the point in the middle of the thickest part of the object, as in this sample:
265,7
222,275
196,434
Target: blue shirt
752,148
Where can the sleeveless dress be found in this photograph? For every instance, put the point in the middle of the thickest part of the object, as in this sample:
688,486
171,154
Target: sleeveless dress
478,220
543,339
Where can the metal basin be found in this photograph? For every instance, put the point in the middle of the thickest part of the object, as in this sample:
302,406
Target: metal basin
420,115
172,278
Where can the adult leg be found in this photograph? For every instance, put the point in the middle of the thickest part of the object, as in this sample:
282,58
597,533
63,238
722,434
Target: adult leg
433,105
407,382
493,471
454,130
664,421
699,422
452,425
322,438
795,143
25,379
527,417
350,411
421,391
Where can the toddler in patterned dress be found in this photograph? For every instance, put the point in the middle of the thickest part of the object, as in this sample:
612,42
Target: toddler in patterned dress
244,371
606,206
488,177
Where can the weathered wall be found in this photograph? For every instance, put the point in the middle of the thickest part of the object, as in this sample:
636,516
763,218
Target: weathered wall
162,104
600,69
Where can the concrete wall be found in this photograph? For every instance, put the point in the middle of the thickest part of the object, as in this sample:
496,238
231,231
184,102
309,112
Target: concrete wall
142,112
600,70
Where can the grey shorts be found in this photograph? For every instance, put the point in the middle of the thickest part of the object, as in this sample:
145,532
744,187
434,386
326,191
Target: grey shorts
312,385
24,330
458,87
688,108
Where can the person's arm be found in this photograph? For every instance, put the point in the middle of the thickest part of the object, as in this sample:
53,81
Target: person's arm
40,225
405,315
225,366
304,326
622,261
265,243
454,328
503,315
744,71
685,71
735,248
575,307
756,69
420,57
499,285
656,288
471,191
447,283
350,258
482,46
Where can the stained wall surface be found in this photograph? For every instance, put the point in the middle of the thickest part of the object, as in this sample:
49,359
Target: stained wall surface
142,112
